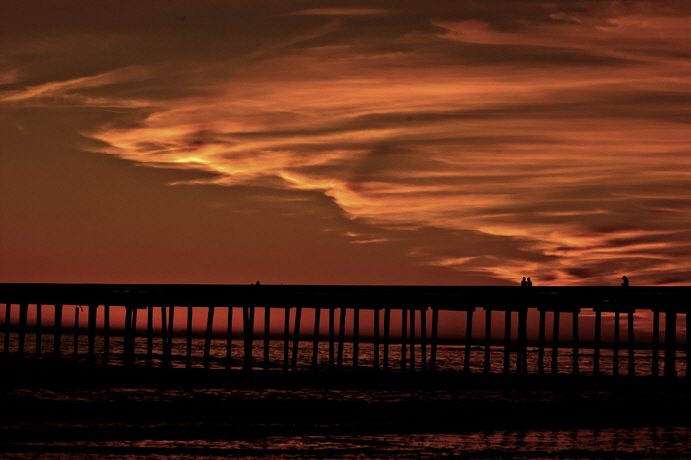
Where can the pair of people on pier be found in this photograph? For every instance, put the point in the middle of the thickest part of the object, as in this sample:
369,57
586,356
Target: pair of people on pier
526,282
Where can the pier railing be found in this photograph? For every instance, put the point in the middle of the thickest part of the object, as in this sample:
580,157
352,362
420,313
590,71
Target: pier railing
540,330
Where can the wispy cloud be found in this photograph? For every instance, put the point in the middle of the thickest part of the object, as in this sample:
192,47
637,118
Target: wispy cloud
560,141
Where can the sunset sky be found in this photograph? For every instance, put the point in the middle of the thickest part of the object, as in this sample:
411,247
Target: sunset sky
333,142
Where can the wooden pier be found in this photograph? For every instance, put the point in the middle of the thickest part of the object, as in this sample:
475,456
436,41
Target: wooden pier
143,325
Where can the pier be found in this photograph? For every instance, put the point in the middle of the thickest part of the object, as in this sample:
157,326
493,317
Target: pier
396,329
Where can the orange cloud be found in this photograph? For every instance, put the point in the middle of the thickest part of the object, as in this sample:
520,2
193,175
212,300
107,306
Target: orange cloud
565,136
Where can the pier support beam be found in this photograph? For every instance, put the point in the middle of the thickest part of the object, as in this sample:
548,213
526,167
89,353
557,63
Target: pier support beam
229,338
356,337
91,331
315,338
688,345
286,338
377,326
248,335
106,334
631,342
434,339
387,336
39,329
7,328
488,340
341,336
597,341
468,340
575,339
57,331
296,337
149,335
541,343
412,340
507,341
404,339
555,343
165,342
208,336
423,339
23,314
332,338
188,354
615,346
670,344
75,343
267,337
655,361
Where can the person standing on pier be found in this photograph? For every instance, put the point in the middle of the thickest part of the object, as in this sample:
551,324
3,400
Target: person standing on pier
625,281
529,283
524,283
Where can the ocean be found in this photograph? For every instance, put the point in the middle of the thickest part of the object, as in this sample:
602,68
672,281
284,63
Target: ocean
280,416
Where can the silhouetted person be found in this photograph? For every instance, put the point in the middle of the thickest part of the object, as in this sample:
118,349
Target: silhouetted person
257,283
529,283
524,283
625,282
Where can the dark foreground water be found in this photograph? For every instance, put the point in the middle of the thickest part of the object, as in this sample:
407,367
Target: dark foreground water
344,423
72,412
638,443
297,420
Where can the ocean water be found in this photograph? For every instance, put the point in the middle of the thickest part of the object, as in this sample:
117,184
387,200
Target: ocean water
191,353
637,443
87,423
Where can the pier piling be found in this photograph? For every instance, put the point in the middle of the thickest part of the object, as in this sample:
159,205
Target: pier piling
248,336
488,340
615,348
267,337
414,336
296,338
315,337
229,339
7,328
468,340
555,341
57,331
91,332
356,337
435,339
209,335
541,342
189,335
377,325
23,314
507,341
670,343
404,339
387,336
631,341
75,342
39,329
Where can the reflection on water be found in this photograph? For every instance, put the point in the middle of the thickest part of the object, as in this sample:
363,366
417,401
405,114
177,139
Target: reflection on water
639,443
280,355
81,438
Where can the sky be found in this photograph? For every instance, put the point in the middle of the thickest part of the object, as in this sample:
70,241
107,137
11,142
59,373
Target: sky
345,142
